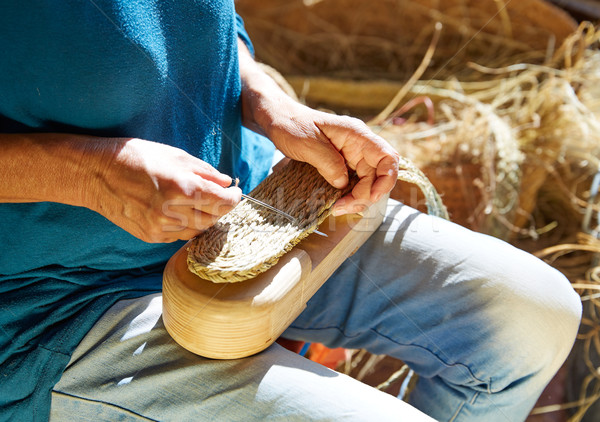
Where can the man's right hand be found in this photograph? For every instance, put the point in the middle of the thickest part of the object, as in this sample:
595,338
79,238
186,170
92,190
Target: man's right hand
156,192
161,193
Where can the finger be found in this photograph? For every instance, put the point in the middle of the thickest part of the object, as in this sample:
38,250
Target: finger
328,161
387,175
348,204
346,135
362,190
182,220
211,174
183,234
169,234
187,234
366,175
174,236
360,197
216,200
357,142
202,221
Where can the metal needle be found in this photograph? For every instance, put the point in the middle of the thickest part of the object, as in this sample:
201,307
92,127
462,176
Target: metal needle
269,207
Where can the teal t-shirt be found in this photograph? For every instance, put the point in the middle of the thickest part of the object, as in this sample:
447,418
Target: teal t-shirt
165,71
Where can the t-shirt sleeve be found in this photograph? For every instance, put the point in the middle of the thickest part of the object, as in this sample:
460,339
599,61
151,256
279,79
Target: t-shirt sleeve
242,34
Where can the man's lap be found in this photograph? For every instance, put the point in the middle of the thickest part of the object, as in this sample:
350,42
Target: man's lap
453,304
128,368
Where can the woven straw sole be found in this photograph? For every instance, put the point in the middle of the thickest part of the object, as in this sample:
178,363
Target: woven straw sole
250,239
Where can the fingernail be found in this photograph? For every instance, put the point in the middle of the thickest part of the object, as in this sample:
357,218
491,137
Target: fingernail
359,209
340,182
377,197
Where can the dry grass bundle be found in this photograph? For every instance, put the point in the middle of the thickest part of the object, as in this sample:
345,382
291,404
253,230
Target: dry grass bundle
493,141
470,137
528,125
387,38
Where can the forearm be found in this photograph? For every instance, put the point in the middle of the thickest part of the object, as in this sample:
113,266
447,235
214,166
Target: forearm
257,86
48,167
154,191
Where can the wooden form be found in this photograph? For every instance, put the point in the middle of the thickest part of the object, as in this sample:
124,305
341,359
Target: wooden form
235,320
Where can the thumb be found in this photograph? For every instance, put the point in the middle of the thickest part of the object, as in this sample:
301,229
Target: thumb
318,151
329,163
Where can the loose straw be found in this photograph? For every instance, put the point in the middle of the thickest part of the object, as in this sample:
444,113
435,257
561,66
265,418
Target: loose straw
381,117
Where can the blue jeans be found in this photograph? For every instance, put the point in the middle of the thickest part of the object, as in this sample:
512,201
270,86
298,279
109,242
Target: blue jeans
483,324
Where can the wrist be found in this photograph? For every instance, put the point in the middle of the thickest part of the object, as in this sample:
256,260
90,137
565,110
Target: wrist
91,161
77,167
262,98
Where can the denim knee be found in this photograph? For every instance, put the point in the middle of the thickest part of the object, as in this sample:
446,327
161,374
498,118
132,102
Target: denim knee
539,326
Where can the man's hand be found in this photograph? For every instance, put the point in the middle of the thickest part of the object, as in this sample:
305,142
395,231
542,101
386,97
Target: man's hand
330,143
333,144
160,193
156,192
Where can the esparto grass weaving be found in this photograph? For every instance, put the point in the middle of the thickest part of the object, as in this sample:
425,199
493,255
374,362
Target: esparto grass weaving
250,239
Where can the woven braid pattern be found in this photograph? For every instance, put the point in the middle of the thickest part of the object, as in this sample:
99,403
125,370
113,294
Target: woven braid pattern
250,239
408,172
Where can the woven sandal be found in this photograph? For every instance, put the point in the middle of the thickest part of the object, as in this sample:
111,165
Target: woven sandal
250,239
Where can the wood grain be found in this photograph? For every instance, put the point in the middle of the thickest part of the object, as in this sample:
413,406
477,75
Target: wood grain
234,320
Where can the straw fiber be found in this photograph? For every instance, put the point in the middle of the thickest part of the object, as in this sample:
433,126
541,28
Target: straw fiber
250,239
387,38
